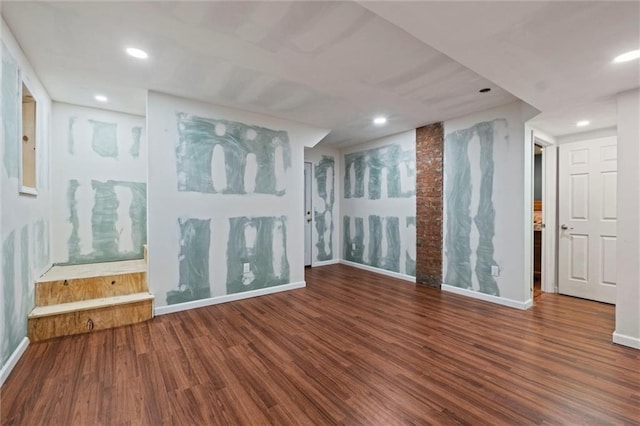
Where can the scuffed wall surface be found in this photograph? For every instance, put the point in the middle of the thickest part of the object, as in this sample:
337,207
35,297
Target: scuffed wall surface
102,216
24,219
226,192
378,209
324,199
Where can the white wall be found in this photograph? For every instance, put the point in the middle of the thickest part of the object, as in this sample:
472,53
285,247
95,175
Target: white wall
325,163
195,205
24,219
488,148
590,134
99,167
382,210
628,241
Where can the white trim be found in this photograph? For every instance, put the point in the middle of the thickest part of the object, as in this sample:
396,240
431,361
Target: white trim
488,298
162,310
622,339
13,360
379,270
325,262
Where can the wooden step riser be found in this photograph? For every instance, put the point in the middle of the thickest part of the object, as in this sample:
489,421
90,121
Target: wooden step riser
74,290
79,322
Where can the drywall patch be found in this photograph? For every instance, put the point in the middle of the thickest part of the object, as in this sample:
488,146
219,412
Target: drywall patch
324,173
11,105
136,134
379,173
461,198
256,253
375,243
410,251
104,139
106,222
195,245
255,159
71,143
12,333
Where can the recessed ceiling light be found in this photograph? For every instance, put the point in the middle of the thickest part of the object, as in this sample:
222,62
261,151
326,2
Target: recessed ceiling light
137,53
485,90
628,56
379,121
101,98
583,123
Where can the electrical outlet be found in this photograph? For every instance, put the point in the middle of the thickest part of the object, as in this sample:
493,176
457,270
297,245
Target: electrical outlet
495,270
246,267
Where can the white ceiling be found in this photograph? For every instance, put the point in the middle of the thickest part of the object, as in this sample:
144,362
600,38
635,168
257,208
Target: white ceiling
554,55
334,65
337,64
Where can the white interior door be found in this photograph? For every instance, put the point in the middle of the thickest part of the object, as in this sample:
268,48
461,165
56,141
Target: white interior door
307,214
587,217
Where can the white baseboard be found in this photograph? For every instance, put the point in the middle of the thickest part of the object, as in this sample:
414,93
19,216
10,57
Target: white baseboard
379,271
622,339
13,360
488,298
325,262
162,310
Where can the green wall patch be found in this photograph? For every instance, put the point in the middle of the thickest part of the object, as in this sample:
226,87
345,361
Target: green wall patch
195,241
458,192
11,107
256,253
104,140
244,148
375,161
324,173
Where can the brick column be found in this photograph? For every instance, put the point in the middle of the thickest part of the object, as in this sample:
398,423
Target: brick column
429,165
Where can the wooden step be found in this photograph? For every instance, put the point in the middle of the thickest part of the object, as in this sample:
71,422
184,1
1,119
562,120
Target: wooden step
73,283
64,319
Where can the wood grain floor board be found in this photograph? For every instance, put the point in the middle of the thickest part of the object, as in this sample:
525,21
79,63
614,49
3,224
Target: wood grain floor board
351,348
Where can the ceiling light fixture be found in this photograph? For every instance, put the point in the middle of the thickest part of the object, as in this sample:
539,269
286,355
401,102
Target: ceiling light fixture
583,123
379,121
101,98
137,53
485,90
628,56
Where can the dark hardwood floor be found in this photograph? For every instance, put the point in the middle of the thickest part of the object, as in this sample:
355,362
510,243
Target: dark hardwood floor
352,348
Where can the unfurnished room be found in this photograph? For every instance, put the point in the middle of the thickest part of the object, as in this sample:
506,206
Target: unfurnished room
320,212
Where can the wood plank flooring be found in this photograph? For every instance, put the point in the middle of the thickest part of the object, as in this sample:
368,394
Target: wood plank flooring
352,348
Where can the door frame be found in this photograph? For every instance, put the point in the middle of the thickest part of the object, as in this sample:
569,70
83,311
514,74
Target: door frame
549,264
308,186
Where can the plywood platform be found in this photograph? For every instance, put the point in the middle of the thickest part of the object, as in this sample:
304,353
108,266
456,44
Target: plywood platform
91,270
77,299
87,305
65,284
71,322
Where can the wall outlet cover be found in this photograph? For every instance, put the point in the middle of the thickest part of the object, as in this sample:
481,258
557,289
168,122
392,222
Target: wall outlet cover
495,270
246,267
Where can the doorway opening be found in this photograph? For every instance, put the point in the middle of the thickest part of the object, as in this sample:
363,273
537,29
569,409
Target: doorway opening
538,219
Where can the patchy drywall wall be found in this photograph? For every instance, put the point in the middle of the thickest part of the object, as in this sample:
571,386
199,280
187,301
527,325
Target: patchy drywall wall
325,234
24,219
226,196
484,202
99,173
378,206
